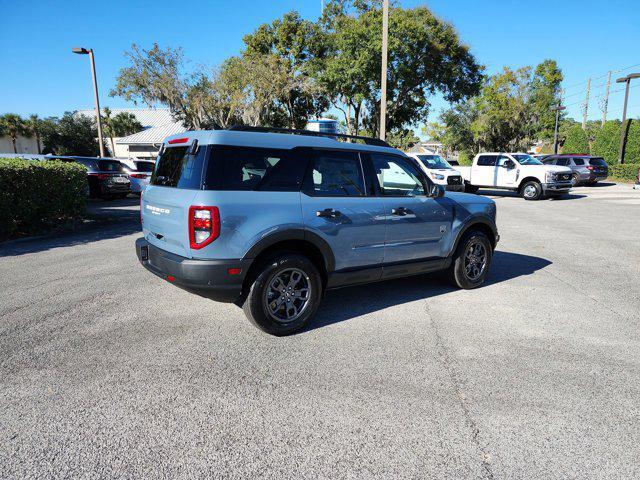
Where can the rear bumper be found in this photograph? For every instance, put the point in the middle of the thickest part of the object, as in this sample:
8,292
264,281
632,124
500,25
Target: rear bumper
108,188
454,188
209,278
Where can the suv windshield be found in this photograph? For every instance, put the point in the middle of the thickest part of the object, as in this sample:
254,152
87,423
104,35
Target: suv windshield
434,162
526,159
598,162
108,166
144,166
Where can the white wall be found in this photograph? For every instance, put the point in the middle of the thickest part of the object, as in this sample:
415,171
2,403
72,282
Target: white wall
23,144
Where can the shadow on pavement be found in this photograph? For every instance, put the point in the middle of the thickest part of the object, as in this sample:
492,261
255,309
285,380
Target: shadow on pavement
105,219
346,303
601,185
509,193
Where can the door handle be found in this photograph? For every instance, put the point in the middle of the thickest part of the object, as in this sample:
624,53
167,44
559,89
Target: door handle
328,213
400,211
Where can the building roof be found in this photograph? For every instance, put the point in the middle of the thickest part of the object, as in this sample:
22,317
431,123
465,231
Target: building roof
148,117
152,136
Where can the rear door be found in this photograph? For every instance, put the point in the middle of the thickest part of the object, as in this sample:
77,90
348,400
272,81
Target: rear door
416,223
337,205
484,171
165,203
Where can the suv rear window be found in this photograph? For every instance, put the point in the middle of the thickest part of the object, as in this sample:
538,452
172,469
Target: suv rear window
250,168
578,161
145,166
176,168
108,166
598,162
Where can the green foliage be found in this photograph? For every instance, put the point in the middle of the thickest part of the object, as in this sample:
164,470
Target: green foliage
576,140
13,126
607,142
402,139
465,158
71,135
35,196
425,56
627,172
632,149
512,110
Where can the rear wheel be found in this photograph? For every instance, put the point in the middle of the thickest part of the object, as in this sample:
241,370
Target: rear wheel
284,294
471,261
532,190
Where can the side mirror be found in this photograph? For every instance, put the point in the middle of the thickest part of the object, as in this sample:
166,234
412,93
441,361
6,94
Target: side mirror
508,164
436,191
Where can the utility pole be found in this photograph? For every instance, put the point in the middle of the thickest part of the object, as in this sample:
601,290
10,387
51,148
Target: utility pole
605,104
585,110
383,93
557,109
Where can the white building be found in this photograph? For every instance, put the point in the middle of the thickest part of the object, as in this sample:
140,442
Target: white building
23,145
157,124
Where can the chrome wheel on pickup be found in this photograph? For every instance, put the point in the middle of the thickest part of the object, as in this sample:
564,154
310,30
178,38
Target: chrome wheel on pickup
532,190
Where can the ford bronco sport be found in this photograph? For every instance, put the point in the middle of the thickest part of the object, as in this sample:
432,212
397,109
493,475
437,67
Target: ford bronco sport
271,220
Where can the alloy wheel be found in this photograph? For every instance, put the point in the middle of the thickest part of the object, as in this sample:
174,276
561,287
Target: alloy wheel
475,260
287,295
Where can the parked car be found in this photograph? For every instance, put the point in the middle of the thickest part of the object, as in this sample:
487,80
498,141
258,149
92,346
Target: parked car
271,220
139,172
104,176
584,168
519,172
453,163
439,171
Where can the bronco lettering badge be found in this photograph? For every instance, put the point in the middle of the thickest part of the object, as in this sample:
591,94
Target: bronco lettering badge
158,210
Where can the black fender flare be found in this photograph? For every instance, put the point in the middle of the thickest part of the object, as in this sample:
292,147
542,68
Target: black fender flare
289,234
470,223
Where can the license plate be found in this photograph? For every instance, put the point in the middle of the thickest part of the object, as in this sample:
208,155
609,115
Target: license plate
144,253
120,180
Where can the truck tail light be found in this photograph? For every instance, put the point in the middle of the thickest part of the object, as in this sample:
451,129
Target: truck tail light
204,225
137,175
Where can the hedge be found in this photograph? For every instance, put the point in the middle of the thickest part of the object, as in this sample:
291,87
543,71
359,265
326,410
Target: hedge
627,172
36,196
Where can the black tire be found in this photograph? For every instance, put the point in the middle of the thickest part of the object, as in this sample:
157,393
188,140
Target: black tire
532,190
575,180
468,188
256,303
458,272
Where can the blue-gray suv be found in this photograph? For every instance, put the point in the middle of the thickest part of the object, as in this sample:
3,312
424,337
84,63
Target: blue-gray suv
271,220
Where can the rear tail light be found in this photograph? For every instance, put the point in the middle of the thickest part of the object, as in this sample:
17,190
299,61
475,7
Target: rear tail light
204,225
590,168
100,176
137,175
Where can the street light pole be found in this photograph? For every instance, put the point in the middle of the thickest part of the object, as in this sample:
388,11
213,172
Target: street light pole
383,93
84,51
557,109
623,127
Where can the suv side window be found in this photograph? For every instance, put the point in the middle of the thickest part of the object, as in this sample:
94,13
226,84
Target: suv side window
336,174
578,161
397,177
251,168
563,162
487,161
549,161
176,168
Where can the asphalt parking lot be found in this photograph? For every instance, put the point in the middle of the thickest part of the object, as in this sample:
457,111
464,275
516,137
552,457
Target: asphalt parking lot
107,371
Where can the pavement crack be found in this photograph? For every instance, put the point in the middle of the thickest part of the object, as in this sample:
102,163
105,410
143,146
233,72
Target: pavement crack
456,383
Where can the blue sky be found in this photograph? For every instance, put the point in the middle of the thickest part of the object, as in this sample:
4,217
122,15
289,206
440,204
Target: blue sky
41,75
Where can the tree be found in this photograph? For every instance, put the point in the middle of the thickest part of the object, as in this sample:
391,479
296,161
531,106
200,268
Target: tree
14,126
35,125
544,93
160,76
124,124
108,127
576,140
73,135
425,57
607,142
402,139
288,46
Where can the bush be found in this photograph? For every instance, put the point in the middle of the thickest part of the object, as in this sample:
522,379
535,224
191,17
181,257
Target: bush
36,196
576,140
607,142
627,172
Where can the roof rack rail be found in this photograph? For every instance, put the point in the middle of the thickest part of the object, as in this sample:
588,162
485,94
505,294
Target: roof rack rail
367,140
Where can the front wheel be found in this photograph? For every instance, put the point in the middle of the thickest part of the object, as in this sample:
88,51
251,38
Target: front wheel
284,294
532,190
468,188
575,180
471,261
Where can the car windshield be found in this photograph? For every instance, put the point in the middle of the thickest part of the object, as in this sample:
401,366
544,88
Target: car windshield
524,159
434,162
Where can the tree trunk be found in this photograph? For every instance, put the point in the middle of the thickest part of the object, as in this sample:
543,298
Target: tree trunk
38,142
113,147
15,147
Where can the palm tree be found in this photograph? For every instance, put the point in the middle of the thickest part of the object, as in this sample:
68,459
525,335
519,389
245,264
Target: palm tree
126,123
34,125
107,121
14,126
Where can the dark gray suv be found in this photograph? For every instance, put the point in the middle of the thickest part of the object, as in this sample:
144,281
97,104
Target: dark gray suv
585,168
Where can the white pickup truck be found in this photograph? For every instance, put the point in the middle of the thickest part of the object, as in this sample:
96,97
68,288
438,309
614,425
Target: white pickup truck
519,172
